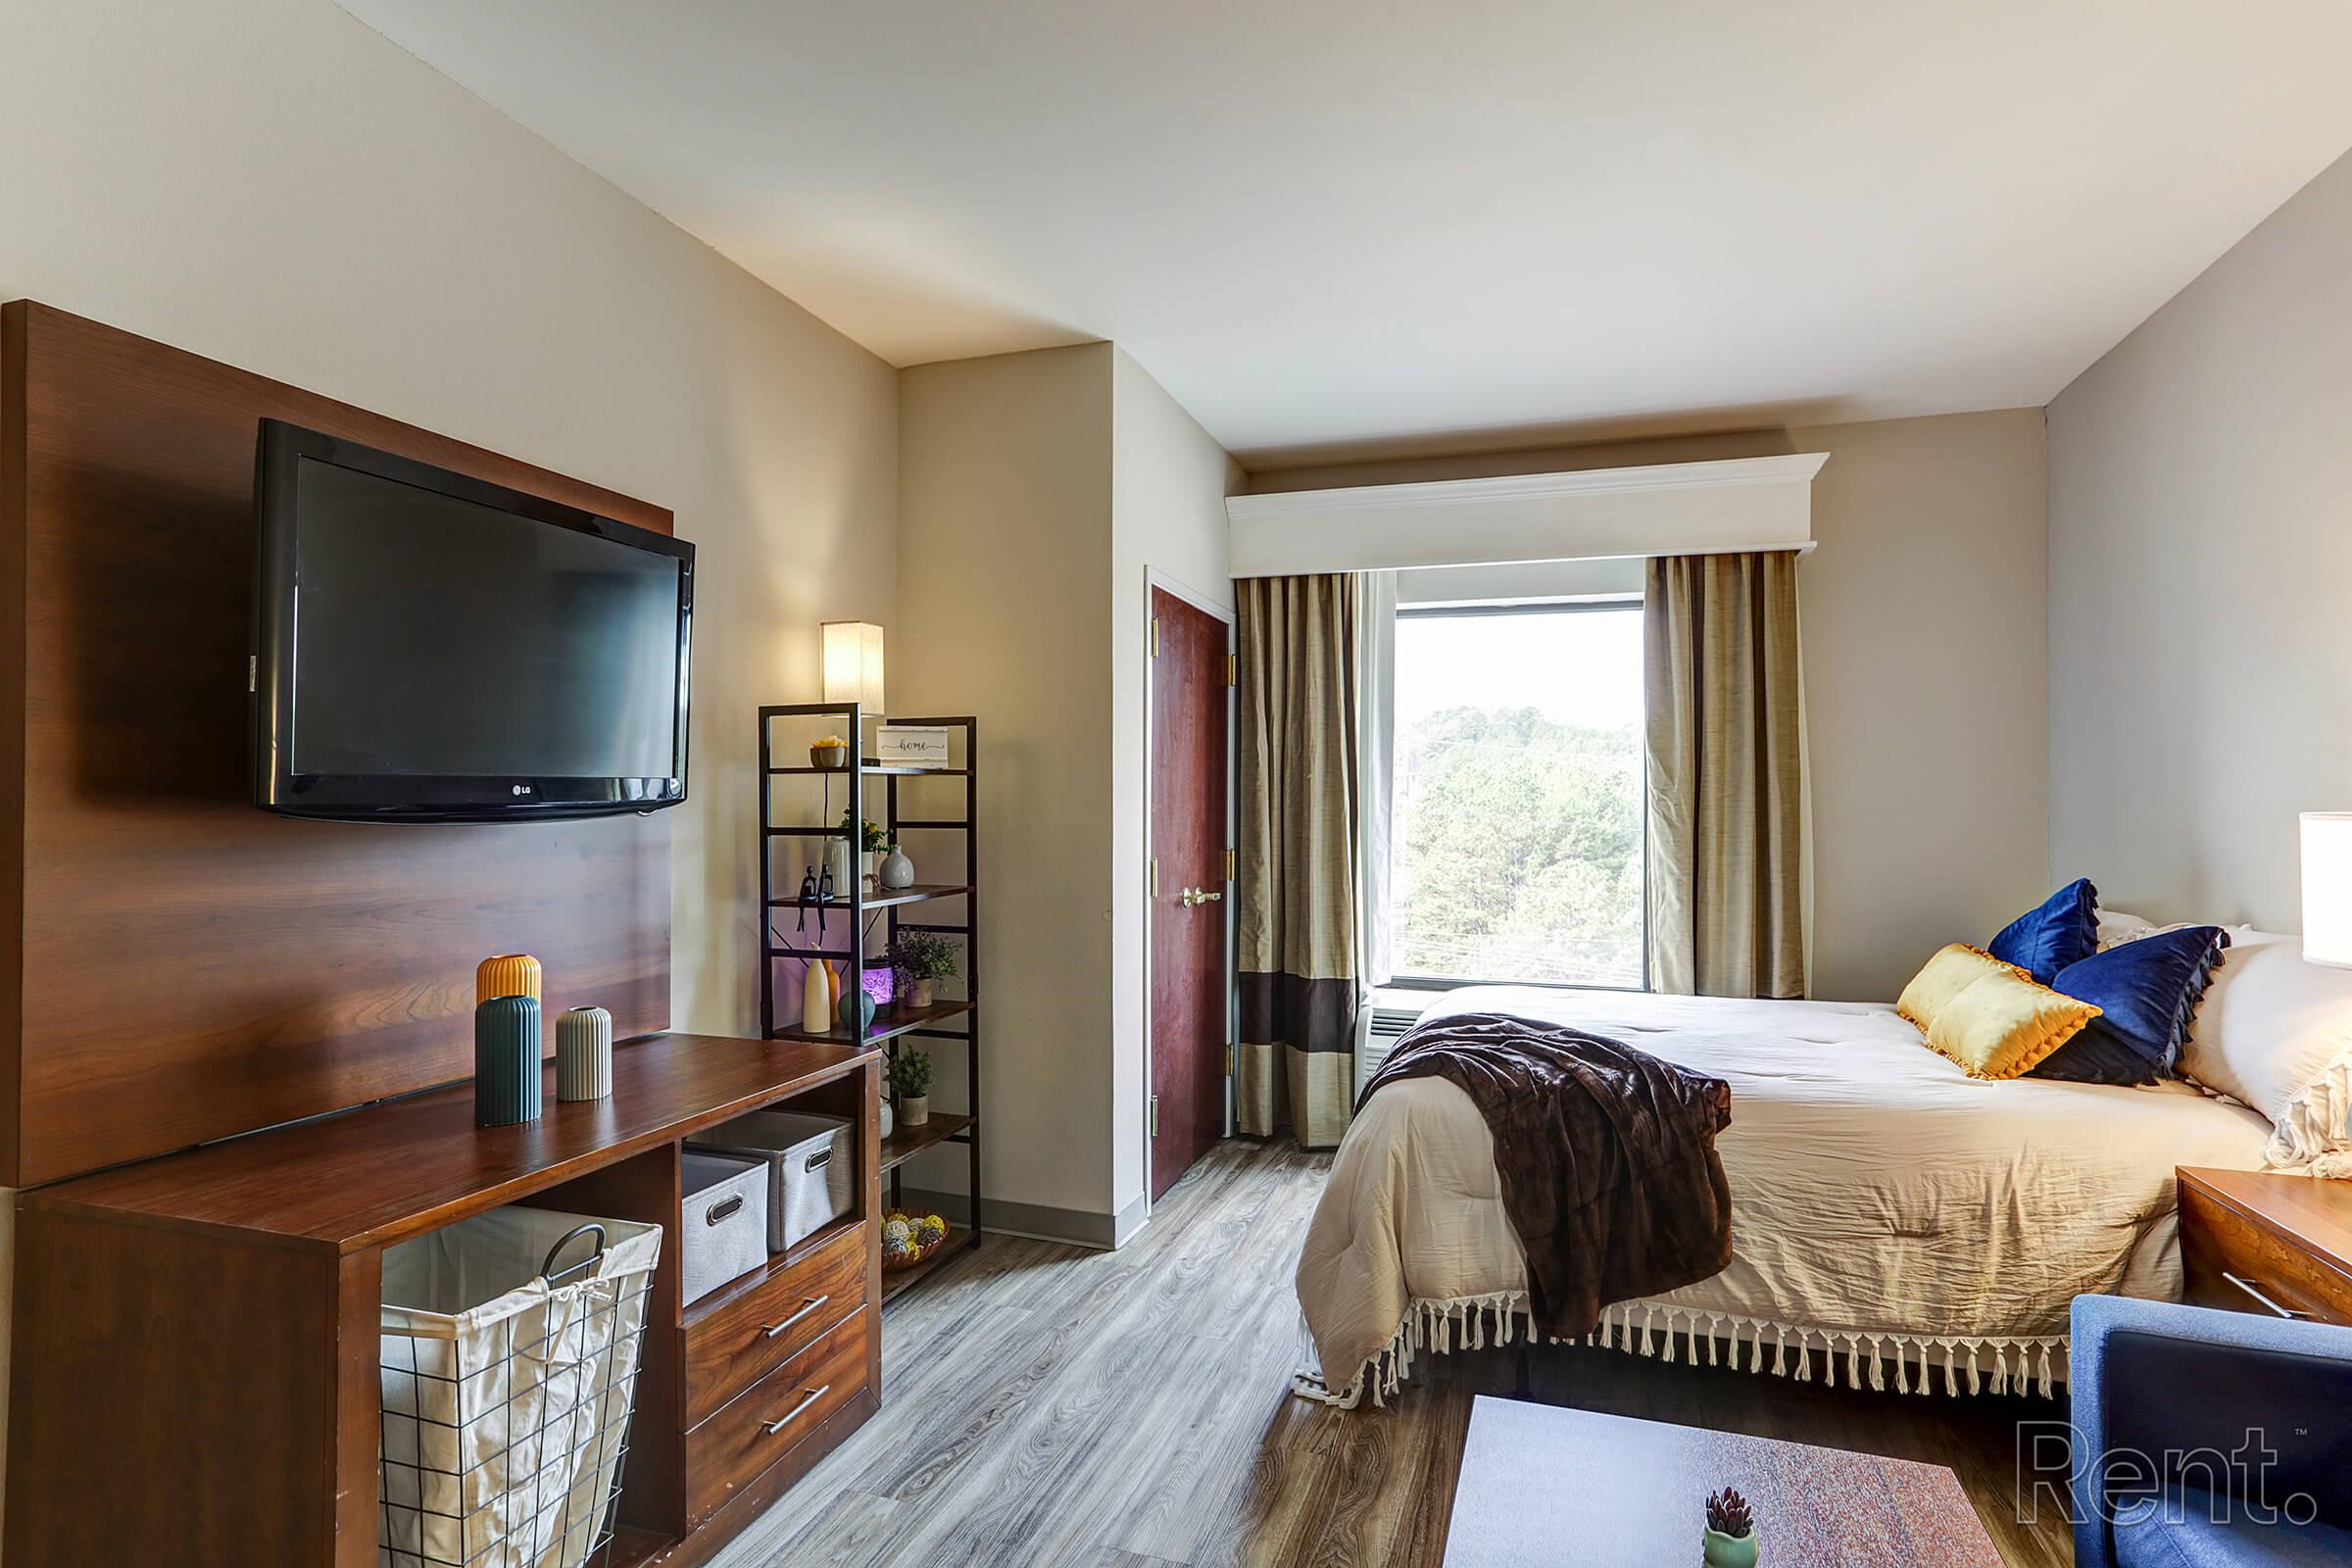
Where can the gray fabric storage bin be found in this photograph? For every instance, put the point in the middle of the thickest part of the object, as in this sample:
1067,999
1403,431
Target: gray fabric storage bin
813,1171
723,1221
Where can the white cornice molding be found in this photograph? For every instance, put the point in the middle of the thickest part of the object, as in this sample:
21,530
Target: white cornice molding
1740,503
1800,467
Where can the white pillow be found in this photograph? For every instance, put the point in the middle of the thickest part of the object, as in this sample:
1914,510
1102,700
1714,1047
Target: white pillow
2277,1033
2117,928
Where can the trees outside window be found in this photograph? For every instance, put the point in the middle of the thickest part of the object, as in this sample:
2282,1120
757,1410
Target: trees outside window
1518,835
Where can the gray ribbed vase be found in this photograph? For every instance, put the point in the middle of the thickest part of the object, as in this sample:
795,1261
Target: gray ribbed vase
505,1061
584,1055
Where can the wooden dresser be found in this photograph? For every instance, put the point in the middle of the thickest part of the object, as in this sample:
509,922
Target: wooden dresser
2256,1242
196,1345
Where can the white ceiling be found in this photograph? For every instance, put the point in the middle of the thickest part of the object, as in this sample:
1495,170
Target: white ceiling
1322,224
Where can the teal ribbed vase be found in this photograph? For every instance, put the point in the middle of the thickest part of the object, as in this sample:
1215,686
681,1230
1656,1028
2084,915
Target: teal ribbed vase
505,1061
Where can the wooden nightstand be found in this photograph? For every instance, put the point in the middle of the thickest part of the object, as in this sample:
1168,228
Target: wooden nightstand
2254,1242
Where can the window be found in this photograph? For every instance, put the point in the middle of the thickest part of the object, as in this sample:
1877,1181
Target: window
1518,838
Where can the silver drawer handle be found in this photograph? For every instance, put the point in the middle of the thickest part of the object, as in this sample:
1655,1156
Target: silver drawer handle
722,1211
771,1427
2268,1303
808,1304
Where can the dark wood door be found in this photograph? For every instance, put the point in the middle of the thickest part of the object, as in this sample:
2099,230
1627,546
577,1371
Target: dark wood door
1191,977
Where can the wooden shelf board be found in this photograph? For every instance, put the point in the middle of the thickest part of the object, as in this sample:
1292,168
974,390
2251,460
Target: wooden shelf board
743,1284
897,1282
908,1141
880,769
891,1027
382,1173
888,897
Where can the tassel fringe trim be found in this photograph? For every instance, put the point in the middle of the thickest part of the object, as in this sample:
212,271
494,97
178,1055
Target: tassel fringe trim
1987,1365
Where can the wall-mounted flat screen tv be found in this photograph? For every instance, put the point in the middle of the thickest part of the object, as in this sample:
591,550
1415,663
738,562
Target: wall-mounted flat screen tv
431,647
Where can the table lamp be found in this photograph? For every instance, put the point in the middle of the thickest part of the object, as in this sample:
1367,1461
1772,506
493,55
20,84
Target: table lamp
2327,888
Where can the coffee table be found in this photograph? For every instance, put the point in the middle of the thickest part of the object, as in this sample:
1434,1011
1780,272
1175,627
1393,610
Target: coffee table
1548,1487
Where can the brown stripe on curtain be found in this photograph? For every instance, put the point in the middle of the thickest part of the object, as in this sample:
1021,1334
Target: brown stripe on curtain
1296,887
1725,714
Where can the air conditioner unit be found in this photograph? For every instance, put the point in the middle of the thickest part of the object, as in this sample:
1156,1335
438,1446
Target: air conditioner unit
1380,1024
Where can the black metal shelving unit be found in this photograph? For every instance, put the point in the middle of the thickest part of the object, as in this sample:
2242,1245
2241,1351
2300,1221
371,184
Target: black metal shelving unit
858,903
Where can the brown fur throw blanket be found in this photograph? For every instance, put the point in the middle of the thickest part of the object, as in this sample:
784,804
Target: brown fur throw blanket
1607,1157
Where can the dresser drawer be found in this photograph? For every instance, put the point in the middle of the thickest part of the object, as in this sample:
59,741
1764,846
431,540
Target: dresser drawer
745,1337
730,1449
2232,1261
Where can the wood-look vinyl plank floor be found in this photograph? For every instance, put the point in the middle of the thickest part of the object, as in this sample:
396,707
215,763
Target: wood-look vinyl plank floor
1048,1406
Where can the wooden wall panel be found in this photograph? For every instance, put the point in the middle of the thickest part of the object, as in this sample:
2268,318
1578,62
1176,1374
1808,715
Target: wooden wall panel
177,1387
193,968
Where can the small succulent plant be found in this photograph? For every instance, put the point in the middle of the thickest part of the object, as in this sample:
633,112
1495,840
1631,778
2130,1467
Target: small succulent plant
910,1074
1727,1514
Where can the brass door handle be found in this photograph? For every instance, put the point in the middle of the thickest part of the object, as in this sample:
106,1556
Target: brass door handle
1195,896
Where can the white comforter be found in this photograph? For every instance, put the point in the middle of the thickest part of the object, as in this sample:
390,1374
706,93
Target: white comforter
1882,1202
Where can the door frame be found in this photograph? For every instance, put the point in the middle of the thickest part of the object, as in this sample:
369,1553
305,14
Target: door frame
1154,578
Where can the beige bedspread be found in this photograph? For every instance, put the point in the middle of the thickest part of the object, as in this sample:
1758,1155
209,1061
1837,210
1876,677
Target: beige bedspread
1885,1206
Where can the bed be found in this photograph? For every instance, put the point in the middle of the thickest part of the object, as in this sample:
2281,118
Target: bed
1905,1222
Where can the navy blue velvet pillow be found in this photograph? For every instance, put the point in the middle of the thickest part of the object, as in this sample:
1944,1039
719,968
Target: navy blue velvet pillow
2148,993
2064,930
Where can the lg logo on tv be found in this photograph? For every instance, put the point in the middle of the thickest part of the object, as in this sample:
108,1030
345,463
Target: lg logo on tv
522,789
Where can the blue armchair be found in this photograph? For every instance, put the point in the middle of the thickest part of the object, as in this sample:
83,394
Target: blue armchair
2209,1440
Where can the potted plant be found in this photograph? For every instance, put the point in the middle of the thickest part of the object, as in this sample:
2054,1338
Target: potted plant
872,837
1730,1537
923,958
909,1074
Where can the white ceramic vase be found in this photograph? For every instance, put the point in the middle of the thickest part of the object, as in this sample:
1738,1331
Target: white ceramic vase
898,872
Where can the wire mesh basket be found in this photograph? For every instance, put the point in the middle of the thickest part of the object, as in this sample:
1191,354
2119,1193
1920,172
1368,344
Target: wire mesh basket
507,1382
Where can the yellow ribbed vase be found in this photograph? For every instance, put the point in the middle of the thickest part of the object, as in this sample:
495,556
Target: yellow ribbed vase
509,974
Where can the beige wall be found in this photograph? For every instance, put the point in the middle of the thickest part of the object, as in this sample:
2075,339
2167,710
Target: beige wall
1004,611
2200,552
1040,493
1925,672
269,183
1168,486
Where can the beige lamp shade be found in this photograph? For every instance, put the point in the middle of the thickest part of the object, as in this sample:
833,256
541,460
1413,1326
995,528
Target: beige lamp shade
2327,888
853,664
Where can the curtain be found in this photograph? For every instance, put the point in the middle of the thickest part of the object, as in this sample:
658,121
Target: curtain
1299,836
1376,773
1727,853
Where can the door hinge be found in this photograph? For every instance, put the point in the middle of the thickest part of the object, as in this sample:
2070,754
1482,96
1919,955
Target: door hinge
1154,636
1231,1066
1154,878
1155,1115
1233,670
1228,872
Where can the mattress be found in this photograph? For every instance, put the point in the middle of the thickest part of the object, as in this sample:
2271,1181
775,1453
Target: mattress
1886,1209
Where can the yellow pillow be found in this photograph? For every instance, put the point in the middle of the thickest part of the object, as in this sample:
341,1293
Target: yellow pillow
1952,971
2002,1025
